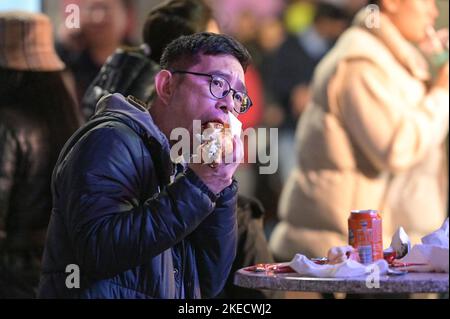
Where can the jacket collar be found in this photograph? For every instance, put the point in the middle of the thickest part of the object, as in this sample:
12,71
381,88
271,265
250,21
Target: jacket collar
404,52
134,114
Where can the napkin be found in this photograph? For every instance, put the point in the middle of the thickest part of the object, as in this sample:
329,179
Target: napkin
400,244
349,268
235,125
434,252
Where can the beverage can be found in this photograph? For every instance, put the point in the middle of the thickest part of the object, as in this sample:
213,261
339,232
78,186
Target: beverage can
365,234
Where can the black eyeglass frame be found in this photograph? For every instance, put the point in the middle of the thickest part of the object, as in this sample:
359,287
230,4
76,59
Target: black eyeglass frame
212,76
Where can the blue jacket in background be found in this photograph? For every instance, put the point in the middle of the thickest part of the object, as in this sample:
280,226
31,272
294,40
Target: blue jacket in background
132,232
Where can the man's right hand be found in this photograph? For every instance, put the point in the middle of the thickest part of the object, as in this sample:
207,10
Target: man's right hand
221,176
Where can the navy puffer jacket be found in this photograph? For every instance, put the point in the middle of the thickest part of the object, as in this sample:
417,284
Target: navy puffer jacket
132,232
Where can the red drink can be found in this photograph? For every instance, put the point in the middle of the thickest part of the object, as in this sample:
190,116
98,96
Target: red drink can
365,234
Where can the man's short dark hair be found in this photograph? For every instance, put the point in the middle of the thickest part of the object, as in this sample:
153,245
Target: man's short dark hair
172,19
186,50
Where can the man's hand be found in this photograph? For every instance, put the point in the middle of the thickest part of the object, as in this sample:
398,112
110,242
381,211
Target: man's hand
220,176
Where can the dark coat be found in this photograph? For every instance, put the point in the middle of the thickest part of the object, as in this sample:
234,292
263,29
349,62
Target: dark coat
132,233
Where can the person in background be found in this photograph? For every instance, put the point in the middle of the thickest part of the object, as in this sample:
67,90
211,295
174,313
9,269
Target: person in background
37,116
104,26
372,136
131,71
292,70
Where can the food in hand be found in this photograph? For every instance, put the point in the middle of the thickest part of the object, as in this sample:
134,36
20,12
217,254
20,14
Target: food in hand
217,142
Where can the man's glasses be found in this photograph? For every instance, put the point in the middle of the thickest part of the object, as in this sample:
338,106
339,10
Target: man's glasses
220,88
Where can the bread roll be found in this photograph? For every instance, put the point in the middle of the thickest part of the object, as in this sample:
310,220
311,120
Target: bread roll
217,142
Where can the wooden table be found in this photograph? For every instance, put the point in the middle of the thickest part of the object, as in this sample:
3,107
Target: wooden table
408,283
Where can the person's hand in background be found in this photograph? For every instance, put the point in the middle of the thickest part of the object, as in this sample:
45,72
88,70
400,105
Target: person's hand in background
435,47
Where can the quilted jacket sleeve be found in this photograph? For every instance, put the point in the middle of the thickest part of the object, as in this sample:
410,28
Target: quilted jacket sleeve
97,190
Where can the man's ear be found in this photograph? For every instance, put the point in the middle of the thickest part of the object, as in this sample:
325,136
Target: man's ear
163,85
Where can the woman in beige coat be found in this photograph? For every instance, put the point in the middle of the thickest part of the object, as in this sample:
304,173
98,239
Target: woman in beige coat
373,136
